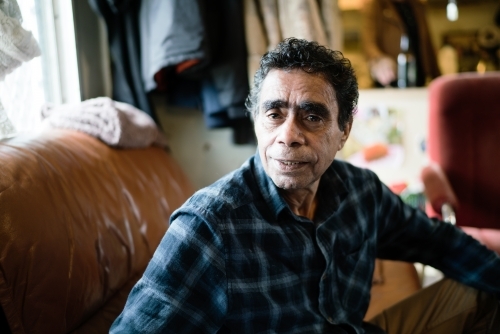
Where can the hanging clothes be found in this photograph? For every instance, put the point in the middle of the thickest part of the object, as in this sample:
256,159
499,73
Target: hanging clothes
195,53
122,23
172,32
268,22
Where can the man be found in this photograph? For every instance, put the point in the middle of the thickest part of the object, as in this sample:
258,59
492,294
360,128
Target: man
287,243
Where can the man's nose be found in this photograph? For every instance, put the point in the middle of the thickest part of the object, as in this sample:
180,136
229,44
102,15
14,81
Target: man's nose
290,133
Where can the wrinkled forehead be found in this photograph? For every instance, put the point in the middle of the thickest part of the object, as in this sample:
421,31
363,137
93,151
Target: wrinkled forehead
296,86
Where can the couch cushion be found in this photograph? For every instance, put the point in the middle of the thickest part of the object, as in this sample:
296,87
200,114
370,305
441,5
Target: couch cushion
78,220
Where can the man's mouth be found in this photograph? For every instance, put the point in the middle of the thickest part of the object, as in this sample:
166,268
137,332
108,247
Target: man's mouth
291,164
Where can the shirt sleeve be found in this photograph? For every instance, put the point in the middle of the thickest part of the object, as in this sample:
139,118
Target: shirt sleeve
407,234
183,289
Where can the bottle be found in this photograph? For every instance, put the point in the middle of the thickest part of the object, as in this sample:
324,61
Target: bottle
407,65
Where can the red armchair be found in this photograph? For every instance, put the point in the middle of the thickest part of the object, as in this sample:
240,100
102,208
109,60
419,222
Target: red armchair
464,150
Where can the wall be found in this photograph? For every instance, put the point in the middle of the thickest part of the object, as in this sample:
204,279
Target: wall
205,155
472,16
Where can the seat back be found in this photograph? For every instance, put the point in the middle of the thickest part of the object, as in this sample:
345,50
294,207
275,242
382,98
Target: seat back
464,139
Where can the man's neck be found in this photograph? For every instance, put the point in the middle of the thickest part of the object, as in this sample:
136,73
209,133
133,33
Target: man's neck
302,202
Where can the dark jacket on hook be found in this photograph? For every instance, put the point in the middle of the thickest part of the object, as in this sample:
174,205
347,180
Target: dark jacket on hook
122,22
175,32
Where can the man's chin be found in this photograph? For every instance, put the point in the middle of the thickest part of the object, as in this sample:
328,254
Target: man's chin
289,183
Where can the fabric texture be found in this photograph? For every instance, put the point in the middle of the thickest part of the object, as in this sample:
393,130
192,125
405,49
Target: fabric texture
122,25
236,259
171,32
194,53
117,124
17,45
444,307
268,22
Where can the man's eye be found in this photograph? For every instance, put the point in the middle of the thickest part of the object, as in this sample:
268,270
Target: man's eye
273,115
313,118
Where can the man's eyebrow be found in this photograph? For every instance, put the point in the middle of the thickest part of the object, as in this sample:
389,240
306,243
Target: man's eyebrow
315,107
274,104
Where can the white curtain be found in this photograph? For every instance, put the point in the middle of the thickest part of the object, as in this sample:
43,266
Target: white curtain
21,92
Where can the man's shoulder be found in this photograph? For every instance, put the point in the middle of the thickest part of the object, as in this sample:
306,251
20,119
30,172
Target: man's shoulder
348,171
232,191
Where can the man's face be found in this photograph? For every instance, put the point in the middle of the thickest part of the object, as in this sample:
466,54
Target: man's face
297,129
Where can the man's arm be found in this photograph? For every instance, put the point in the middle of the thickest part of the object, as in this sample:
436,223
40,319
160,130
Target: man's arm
183,289
408,234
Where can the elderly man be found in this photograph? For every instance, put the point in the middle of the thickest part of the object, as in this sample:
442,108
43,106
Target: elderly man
287,243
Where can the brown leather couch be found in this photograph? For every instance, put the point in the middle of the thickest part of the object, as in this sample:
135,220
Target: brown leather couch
79,222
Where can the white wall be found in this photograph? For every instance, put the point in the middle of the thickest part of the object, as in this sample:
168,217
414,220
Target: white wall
205,155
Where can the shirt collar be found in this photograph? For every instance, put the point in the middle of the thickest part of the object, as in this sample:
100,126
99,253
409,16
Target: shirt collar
268,189
331,192
328,201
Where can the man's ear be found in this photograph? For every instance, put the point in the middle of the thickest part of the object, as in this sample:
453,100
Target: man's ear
345,135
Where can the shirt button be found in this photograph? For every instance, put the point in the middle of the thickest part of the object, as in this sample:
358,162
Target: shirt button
330,320
323,277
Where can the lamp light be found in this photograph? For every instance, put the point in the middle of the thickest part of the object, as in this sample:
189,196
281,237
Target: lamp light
452,10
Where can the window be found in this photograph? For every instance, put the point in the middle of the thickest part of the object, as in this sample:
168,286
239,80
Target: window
53,77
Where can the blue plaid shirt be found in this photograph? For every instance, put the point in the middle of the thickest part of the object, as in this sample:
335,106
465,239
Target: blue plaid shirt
236,259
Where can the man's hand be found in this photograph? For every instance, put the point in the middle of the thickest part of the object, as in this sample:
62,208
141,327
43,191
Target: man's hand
384,70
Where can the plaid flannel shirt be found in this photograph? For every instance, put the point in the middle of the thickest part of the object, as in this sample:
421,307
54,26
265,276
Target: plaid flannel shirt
236,259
